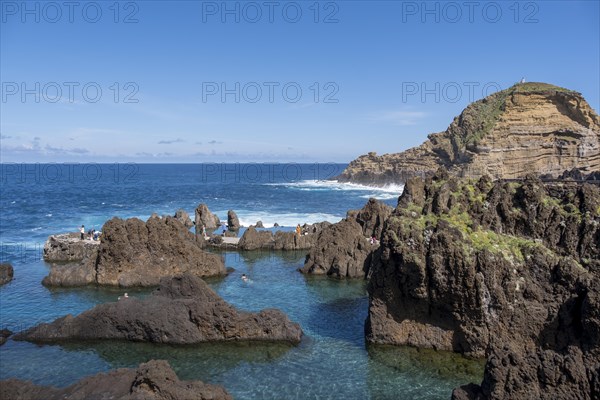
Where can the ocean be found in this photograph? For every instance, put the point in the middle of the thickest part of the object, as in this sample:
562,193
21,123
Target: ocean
333,360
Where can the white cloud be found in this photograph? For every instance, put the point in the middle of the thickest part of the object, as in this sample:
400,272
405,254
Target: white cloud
400,117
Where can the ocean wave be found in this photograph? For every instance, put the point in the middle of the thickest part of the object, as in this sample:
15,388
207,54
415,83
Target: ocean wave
381,196
48,215
316,185
268,219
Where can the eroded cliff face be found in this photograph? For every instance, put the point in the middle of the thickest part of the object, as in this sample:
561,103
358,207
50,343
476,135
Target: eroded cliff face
528,128
503,270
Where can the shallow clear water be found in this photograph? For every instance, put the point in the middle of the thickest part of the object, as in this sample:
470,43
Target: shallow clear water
332,362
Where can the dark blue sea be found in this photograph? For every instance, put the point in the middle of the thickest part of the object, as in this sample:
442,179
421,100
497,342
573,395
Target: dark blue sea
332,362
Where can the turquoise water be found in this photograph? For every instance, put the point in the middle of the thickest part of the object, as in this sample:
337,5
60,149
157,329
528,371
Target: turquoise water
332,361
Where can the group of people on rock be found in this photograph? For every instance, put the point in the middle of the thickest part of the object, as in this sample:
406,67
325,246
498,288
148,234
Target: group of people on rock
92,234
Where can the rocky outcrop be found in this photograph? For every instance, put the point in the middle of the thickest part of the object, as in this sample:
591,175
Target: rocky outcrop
131,253
233,223
73,260
154,380
253,239
344,249
529,128
181,310
6,273
372,216
204,218
341,250
506,270
184,218
68,247
4,335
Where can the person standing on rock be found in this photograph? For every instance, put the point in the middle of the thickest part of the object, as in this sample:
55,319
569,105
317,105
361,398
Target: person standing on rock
298,230
82,231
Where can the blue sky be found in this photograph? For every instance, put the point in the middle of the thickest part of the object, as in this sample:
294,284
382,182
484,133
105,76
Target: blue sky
260,81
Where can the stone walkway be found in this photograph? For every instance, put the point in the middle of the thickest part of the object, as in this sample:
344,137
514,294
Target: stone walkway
231,240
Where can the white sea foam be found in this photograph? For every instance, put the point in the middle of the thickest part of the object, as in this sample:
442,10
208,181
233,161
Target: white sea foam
383,192
381,196
48,215
268,219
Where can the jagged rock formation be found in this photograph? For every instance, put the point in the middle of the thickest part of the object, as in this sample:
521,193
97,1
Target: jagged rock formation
371,217
528,128
341,251
505,270
6,273
344,249
130,253
154,380
233,223
184,218
182,310
204,218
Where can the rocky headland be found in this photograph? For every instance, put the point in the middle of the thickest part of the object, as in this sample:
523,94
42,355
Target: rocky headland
504,270
130,253
529,128
154,380
182,310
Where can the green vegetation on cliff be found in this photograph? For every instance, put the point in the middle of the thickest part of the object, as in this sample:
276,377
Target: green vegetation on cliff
486,112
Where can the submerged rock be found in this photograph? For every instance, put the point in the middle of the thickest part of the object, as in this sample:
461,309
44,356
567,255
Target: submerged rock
131,253
6,273
154,380
181,310
204,218
503,270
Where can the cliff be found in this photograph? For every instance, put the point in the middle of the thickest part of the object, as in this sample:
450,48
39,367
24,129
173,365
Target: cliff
529,128
508,271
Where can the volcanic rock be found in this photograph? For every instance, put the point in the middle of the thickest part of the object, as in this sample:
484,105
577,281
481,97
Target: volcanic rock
506,270
233,223
154,380
131,253
344,249
184,218
204,218
182,310
6,273
341,250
